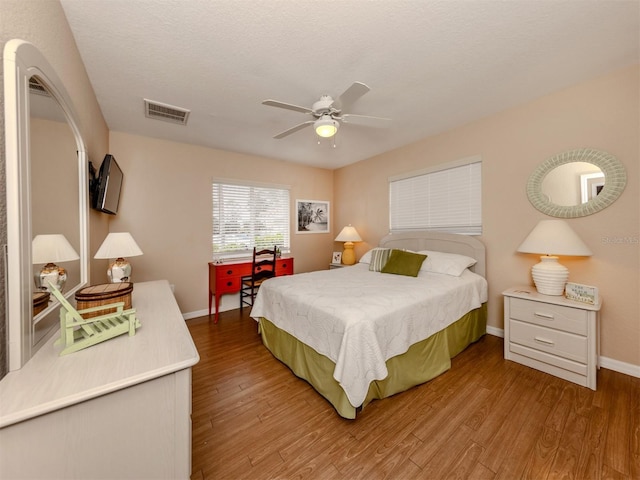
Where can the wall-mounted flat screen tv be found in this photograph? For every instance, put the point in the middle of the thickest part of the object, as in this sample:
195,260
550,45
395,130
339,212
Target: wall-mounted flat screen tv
109,184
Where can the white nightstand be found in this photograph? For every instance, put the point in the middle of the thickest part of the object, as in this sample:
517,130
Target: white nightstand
552,334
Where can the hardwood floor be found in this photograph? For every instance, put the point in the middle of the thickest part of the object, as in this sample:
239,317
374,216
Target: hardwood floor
486,418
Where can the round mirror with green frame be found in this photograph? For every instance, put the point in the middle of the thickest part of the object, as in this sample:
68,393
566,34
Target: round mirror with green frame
594,197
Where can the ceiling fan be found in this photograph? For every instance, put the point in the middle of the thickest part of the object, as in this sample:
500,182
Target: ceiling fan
329,113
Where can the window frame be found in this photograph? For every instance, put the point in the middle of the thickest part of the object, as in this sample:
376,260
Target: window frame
418,198
285,246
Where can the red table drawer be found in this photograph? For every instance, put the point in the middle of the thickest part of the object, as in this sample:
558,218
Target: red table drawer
284,266
232,270
227,285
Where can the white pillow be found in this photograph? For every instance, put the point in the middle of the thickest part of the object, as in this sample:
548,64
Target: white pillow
447,263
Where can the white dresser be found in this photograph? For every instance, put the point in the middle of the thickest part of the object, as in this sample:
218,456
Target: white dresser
552,334
119,409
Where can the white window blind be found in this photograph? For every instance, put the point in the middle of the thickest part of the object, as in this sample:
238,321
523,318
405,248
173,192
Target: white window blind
446,200
247,216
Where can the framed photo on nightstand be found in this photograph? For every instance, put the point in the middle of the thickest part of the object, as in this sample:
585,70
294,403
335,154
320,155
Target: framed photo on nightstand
581,293
336,258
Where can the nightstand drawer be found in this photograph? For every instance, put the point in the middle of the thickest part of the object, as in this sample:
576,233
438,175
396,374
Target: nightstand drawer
547,315
561,367
556,342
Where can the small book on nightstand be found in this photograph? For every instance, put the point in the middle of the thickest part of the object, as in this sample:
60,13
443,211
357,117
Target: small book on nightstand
337,265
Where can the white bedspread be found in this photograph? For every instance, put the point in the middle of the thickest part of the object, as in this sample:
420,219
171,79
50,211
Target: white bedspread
359,319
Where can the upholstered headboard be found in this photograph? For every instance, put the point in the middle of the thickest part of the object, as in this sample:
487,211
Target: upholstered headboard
440,242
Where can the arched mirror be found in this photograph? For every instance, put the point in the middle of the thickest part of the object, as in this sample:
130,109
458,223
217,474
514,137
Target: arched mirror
576,183
46,198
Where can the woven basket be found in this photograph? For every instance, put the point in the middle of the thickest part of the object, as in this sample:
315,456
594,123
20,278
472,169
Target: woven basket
40,302
105,294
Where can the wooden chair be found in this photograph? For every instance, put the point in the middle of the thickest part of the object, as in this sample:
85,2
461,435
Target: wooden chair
77,333
263,267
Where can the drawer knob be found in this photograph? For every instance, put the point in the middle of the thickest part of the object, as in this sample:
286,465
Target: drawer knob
284,265
544,315
544,340
229,272
229,284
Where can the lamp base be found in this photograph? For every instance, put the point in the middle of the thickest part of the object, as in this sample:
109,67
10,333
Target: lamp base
119,271
51,273
549,276
348,255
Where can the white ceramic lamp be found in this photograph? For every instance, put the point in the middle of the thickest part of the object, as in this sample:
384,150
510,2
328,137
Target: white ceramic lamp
348,235
118,246
51,249
552,237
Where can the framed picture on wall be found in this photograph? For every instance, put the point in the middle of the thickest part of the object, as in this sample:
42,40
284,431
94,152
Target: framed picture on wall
312,216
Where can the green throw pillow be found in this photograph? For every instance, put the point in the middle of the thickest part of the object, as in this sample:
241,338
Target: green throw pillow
404,263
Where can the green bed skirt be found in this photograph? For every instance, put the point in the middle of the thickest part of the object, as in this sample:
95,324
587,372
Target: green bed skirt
422,362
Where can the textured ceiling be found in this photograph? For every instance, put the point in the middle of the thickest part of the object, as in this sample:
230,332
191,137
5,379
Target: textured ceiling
431,65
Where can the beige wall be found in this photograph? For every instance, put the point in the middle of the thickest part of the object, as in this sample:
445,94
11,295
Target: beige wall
166,205
601,114
42,22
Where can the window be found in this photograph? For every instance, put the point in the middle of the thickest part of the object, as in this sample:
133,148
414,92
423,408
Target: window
446,199
249,215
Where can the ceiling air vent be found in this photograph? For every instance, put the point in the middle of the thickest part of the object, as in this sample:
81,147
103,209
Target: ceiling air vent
168,113
36,87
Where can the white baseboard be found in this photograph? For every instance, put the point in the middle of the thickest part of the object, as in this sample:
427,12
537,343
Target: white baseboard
605,362
621,367
227,302
196,314
496,332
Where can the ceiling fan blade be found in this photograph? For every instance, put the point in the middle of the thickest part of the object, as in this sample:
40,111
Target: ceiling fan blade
366,120
351,94
294,129
288,106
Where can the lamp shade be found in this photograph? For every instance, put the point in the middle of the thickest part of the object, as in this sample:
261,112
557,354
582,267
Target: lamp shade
118,245
348,234
51,249
326,126
554,237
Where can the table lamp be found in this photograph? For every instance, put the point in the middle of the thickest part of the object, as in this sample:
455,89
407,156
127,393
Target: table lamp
552,237
49,249
348,235
118,246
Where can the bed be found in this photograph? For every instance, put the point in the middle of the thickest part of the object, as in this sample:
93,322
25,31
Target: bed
362,333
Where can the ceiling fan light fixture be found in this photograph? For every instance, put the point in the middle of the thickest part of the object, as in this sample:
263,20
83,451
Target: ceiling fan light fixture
326,126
